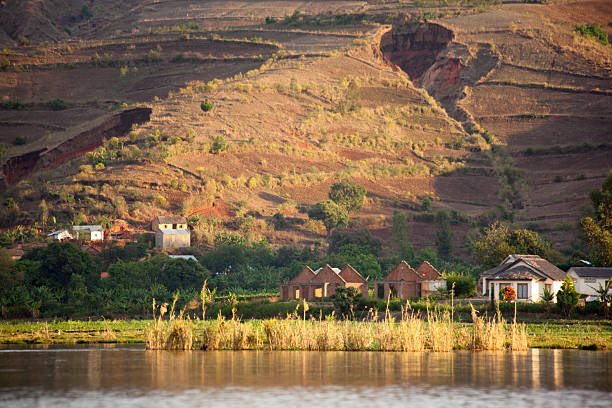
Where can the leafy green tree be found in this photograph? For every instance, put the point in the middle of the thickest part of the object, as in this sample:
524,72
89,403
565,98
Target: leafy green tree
206,106
597,230
360,258
567,296
345,300
444,235
497,242
401,233
331,214
362,238
347,194
426,205
465,285
59,261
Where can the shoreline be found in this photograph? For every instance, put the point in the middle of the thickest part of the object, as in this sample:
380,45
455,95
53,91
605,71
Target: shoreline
586,335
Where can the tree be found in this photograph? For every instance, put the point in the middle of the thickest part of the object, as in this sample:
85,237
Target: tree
345,300
400,232
597,230
465,286
347,194
331,214
43,212
361,258
444,235
59,261
605,297
567,296
547,297
361,238
497,242
206,106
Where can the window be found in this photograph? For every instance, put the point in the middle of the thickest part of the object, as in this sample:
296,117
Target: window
521,292
548,287
318,292
297,293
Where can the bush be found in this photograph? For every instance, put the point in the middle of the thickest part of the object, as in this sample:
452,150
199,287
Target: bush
593,31
56,104
507,294
19,140
218,145
347,194
465,286
206,106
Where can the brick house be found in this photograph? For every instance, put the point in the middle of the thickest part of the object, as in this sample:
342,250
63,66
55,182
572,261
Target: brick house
322,283
405,282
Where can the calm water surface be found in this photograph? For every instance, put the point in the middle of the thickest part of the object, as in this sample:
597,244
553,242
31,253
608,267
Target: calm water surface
129,376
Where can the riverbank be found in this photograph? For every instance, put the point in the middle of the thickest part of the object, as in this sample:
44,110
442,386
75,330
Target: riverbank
557,334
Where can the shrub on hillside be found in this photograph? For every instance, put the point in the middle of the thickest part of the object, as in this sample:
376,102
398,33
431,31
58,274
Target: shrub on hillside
593,31
206,106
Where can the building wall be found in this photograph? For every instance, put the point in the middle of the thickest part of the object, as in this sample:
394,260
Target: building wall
535,288
96,235
165,241
587,286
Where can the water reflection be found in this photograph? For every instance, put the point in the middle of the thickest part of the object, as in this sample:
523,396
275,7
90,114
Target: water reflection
118,375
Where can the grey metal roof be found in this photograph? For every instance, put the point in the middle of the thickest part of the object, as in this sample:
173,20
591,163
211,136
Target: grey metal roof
591,272
173,231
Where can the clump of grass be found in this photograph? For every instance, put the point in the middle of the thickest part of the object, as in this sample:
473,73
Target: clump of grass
174,334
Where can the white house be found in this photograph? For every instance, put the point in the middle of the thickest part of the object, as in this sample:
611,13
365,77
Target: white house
60,235
89,232
529,275
587,279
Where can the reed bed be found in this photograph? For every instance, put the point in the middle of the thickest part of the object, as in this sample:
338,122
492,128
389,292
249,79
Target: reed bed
433,331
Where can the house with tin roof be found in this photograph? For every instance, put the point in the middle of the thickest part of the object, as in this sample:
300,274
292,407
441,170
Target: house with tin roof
588,279
528,275
171,232
321,283
88,232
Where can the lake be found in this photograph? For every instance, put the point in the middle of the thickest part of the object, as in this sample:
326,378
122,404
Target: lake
129,376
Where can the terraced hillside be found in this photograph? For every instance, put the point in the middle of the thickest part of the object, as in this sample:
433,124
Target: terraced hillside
304,94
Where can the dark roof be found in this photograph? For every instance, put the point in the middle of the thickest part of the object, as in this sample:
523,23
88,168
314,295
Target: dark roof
543,266
536,262
171,219
518,273
591,272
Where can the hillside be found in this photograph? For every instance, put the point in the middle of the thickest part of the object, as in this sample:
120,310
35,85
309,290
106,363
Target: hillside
495,113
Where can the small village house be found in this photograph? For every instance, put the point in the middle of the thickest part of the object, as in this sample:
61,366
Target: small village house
169,222
322,283
88,232
588,279
60,235
528,275
171,232
405,282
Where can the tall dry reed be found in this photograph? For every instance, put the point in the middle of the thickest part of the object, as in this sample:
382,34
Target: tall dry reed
436,332
176,333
